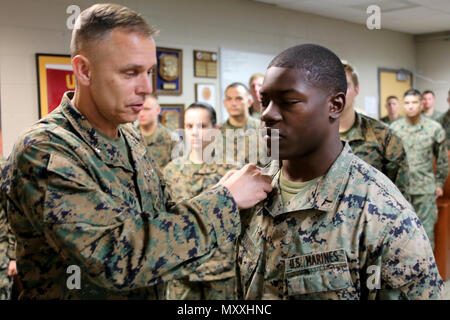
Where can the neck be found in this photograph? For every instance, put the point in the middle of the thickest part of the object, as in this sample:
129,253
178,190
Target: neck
314,164
256,106
393,116
196,155
413,120
347,119
148,129
85,105
238,121
429,111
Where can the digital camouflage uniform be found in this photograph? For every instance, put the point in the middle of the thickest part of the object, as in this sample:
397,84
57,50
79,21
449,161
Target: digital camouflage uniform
243,147
435,116
444,120
160,145
73,199
423,142
388,121
7,250
253,113
215,279
329,241
376,144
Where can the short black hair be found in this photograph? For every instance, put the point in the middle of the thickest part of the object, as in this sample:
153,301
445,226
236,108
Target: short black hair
412,92
321,67
428,91
205,106
237,84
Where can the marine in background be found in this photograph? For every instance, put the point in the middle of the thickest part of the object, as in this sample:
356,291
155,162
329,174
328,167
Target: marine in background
428,106
372,140
424,140
186,177
255,84
160,141
392,107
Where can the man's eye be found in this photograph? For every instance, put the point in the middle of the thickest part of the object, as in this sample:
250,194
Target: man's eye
290,102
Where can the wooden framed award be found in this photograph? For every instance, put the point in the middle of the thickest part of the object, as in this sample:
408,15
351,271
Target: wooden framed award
167,79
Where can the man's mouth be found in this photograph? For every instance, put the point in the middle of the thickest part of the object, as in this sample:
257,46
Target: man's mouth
136,106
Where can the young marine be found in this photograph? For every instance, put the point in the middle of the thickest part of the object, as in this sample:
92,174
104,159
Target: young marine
83,198
424,140
428,106
333,226
392,107
186,177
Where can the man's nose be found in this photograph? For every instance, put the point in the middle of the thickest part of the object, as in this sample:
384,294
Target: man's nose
145,84
271,114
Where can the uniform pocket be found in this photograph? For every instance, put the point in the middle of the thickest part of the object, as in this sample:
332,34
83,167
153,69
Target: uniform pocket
316,273
331,279
73,197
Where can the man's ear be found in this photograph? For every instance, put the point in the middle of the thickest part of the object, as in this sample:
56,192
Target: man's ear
82,69
337,105
357,90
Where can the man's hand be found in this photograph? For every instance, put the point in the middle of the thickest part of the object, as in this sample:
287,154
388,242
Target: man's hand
12,269
248,186
439,192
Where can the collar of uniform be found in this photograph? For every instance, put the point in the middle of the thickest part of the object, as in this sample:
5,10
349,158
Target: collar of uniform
414,127
359,133
188,167
101,147
158,136
322,195
251,123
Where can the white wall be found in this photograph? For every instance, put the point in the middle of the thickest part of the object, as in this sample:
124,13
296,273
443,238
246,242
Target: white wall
433,69
28,27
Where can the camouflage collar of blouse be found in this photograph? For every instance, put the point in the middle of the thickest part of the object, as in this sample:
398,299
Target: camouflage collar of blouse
106,151
322,195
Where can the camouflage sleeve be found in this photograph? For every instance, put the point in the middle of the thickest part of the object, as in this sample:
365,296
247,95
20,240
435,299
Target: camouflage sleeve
440,152
11,251
397,168
120,247
3,240
408,269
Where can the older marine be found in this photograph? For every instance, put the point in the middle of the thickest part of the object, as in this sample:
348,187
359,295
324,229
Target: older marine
92,218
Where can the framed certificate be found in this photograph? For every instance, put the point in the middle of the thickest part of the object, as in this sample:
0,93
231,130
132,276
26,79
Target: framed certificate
54,77
167,80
